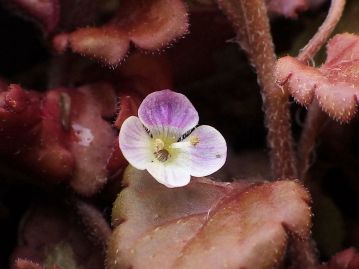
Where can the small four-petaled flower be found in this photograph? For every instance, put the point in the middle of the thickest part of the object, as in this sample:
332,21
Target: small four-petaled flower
164,141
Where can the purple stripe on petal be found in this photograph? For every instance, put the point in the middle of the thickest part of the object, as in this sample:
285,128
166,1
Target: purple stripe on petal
207,150
168,110
135,143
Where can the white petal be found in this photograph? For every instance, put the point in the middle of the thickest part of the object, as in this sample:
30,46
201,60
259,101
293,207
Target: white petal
135,143
169,174
204,149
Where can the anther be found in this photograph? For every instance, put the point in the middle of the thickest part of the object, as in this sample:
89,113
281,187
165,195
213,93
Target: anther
162,155
194,140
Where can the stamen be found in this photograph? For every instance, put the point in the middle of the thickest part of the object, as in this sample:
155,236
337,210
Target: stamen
159,144
194,140
162,155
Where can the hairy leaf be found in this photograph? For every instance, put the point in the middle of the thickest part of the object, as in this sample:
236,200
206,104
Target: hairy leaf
26,264
148,24
335,85
205,224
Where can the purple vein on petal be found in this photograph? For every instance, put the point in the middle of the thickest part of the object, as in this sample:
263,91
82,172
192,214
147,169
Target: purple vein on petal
209,154
135,143
167,111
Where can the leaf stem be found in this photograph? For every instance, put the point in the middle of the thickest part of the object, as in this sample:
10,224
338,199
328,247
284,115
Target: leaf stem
315,117
313,125
318,40
251,22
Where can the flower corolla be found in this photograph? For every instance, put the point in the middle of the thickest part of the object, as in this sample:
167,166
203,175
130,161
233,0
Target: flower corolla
165,141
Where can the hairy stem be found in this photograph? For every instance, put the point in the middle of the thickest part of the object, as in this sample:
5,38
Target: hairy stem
315,117
250,20
313,125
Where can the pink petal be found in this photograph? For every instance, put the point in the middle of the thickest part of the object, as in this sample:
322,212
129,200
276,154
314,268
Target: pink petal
204,151
135,143
167,111
173,174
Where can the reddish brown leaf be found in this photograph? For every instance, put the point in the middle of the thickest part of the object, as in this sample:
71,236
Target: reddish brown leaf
61,134
26,264
32,126
93,137
128,107
153,24
335,84
50,151
19,113
108,44
148,24
205,224
116,162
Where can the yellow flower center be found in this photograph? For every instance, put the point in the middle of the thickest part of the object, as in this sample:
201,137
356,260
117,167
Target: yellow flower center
162,148
166,147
